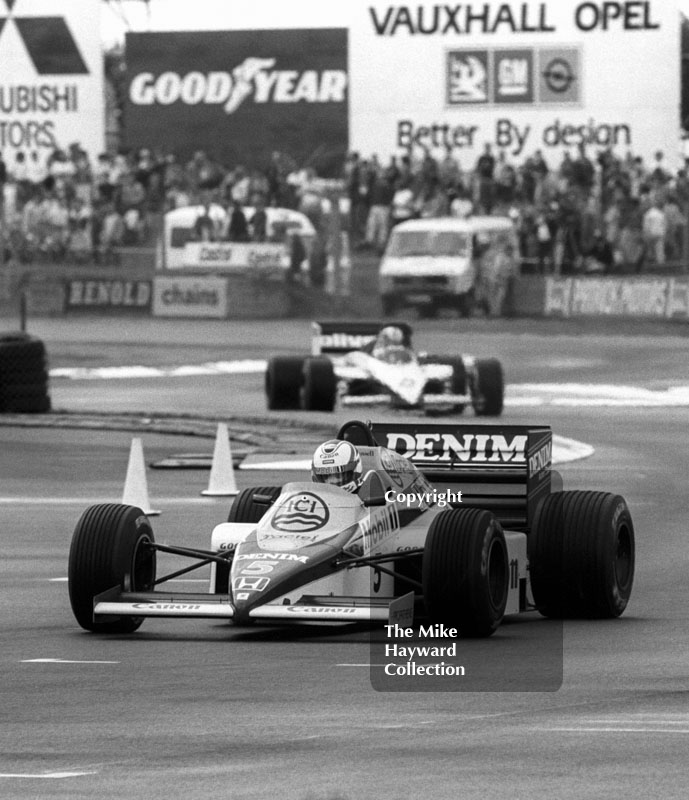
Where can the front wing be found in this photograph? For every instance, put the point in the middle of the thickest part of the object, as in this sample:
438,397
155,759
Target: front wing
211,606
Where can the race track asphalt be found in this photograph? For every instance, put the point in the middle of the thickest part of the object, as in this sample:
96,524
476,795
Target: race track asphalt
197,709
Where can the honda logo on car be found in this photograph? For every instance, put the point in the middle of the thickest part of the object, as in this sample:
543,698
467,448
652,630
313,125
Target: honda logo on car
253,77
445,447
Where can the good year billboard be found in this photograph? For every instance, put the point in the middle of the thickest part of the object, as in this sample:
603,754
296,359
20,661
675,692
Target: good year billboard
239,95
51,77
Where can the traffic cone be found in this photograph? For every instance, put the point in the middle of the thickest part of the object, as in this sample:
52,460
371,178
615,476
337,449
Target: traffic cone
222,482
135,485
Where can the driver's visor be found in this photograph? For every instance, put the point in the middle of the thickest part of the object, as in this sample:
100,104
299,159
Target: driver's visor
335,478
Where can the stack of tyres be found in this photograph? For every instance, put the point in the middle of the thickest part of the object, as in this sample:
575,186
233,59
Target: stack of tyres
23,374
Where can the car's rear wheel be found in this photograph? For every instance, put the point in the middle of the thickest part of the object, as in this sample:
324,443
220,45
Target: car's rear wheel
488,396
283,382
465,571
458,382
581,555
319,385
110,549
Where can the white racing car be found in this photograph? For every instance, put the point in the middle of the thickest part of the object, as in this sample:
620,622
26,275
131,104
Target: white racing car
369,363
378,544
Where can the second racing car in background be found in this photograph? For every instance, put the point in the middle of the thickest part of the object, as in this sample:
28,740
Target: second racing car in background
372,363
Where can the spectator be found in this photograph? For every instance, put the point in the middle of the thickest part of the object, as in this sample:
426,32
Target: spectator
238,229
297,256
599,256
204,227
485,167
259,222
654,232
676,223
20,173
36,172
79,244
378,222
111,234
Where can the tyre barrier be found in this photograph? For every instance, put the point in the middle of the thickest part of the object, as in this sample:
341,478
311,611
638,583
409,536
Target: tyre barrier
23,374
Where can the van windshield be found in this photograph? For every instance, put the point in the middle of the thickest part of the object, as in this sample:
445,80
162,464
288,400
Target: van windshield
428,243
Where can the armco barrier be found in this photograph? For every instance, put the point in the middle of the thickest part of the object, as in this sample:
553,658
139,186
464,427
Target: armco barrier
636,297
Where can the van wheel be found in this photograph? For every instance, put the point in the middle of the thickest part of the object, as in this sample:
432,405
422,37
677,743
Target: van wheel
390,305
466,304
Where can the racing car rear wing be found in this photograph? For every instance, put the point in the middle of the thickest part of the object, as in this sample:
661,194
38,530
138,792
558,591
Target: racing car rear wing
342,337
503,468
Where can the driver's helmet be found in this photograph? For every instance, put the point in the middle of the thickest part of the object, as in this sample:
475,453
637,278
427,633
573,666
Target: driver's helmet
338,463
390,336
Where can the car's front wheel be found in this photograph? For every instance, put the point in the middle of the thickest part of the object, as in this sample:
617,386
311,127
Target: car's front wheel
111,548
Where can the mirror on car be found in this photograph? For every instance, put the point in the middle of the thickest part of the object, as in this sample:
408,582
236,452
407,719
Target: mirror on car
372,492
263,499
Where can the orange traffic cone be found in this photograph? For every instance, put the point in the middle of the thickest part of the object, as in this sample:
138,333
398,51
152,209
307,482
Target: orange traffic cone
135,485
222,482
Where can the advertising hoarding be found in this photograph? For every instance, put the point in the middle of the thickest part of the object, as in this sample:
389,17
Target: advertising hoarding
51,77
419,76
203,297
240,95
521,76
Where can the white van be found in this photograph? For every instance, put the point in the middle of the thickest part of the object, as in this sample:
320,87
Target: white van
436,262
178,229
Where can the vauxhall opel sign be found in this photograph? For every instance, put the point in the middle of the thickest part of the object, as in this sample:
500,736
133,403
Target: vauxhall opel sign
240,94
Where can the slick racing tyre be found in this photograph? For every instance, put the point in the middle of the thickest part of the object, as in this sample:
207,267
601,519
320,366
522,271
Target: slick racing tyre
489,388
458,382
23,374
319,385
465,571
110,550
246,509
283,382
581,555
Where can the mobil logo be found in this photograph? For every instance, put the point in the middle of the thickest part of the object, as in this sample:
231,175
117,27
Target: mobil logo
300,513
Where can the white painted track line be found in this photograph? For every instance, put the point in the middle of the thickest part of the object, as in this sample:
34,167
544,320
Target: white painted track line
517,395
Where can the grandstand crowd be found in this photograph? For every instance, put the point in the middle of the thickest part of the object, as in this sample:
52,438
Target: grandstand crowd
588,213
